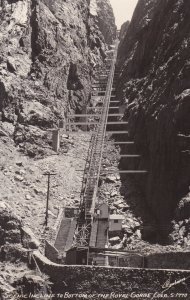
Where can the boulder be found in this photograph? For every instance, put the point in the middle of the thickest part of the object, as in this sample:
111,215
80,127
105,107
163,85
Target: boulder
127,229
118,203
65,136
182,231
111,179
114,193
136,225
12,224
11,65
186,242
118,246
138,234
107,193
28,197
19,163
18,178
122,206
176,227
40,191
20,172
114,240
13,236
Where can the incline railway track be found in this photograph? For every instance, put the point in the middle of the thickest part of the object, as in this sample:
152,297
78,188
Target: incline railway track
93,167
86,232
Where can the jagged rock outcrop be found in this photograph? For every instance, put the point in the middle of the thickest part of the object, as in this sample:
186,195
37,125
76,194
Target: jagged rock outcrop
14,237
123,30
16,243
154,84
106,22
48,52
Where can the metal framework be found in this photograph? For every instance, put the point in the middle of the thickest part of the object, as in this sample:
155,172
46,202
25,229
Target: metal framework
93,166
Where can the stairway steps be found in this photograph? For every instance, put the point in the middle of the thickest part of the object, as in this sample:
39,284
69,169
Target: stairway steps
70,236
101,234
62,234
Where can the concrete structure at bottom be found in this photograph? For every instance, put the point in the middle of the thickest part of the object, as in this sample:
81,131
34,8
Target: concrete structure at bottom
104,225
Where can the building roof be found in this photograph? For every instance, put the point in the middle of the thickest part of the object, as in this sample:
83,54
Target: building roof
116,217
102,204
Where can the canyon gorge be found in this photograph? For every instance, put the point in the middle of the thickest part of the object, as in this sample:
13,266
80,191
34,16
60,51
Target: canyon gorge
49,54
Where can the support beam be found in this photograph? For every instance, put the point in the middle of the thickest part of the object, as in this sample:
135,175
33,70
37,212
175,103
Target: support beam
125,172
95,123
129,155
117,122
104,172
123,143
117,132
93,115
82,123
83,115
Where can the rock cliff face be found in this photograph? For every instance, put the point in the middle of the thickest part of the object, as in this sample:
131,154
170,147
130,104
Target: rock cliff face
154,85
15,243
48,51
123,30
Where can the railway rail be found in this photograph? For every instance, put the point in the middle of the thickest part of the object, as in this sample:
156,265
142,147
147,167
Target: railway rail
86,233
92,172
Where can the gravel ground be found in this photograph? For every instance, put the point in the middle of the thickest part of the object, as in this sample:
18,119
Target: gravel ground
24,187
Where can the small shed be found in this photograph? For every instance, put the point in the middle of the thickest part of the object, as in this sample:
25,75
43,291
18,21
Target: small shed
102,211
115,222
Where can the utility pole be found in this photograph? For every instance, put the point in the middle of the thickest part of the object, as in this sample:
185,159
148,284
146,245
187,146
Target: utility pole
48,192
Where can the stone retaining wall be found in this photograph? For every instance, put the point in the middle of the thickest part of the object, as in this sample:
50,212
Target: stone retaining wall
127,282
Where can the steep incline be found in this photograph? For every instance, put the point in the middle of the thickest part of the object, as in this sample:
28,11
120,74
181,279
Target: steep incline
154,81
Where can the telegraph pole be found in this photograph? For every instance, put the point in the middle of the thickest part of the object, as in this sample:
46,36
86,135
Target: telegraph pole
48,192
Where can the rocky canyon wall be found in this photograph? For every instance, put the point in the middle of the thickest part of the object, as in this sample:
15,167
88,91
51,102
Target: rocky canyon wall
48,52
154,85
